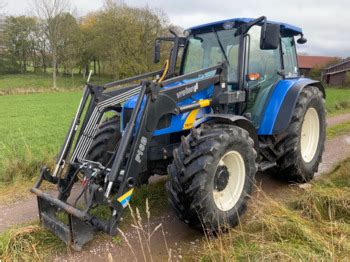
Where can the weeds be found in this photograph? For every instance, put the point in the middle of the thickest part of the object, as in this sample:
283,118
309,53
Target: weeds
28,243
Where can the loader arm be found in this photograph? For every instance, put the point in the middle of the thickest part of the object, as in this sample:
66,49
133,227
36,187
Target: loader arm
153,102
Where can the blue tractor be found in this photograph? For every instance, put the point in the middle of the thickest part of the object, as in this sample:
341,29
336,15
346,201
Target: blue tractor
228,103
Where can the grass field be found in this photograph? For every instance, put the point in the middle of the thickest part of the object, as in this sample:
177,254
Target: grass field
35,83
32,128
338,101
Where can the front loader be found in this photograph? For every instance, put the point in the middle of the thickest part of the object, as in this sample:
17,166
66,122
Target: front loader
236,106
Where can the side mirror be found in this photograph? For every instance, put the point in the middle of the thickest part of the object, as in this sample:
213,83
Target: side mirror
302,40
157,52
270,36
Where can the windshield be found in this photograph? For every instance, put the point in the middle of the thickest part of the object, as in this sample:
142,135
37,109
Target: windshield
208,49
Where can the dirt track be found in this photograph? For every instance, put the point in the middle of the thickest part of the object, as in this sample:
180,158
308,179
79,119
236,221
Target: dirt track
179,237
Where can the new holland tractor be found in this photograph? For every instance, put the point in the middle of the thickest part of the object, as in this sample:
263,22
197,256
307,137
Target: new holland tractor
228,103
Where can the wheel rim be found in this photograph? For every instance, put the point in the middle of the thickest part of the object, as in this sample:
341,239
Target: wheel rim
229,180
310,134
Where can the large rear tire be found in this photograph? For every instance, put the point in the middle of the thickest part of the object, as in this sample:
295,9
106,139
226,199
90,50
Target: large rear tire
212,176
304,144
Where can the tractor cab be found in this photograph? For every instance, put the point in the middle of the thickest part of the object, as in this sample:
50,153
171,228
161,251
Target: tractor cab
258,54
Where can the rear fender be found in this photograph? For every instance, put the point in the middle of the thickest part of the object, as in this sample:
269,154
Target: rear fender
279,110
240,121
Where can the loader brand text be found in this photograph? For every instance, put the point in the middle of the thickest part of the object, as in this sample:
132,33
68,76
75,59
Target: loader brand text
188,90
141,149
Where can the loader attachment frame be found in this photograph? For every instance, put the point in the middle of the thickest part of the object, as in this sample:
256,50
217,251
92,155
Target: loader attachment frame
114,186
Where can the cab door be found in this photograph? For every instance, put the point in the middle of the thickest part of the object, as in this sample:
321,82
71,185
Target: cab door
262,74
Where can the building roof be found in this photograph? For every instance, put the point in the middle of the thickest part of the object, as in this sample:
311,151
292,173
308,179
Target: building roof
293,30
315,61
342,62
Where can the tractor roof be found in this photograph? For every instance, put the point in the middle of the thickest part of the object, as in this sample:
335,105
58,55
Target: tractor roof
285,28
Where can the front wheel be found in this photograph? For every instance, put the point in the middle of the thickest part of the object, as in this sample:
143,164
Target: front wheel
212,176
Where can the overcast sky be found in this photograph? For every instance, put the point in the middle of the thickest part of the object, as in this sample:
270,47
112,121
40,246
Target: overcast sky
326,24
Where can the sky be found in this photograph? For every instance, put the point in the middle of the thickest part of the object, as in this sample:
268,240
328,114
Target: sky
325,23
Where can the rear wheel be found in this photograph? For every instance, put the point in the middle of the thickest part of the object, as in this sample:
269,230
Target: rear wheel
212,176
304,144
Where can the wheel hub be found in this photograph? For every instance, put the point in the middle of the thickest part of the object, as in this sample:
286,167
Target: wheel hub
221,178
229,180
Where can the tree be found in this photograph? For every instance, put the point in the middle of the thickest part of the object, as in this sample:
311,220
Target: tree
50,11
90,49
68,48
18,39
123,37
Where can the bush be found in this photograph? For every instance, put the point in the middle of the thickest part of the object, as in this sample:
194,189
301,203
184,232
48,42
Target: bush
8,66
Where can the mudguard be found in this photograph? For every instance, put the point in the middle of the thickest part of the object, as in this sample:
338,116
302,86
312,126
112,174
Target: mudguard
240,121
280,107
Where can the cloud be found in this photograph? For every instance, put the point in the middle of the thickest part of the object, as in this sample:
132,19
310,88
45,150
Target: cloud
325,23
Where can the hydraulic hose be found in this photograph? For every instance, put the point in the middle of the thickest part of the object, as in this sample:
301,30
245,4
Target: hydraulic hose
165,72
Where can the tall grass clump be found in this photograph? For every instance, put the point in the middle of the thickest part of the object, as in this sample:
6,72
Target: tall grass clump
312,226
28,243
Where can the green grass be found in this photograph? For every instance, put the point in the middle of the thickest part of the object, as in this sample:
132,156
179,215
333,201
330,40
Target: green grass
32,129
34,83
312,225
338,130
338,100
28,242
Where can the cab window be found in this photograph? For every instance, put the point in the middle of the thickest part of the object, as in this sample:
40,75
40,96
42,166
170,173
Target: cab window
290,62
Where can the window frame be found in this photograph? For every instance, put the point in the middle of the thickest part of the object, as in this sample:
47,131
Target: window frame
296,62
246,54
